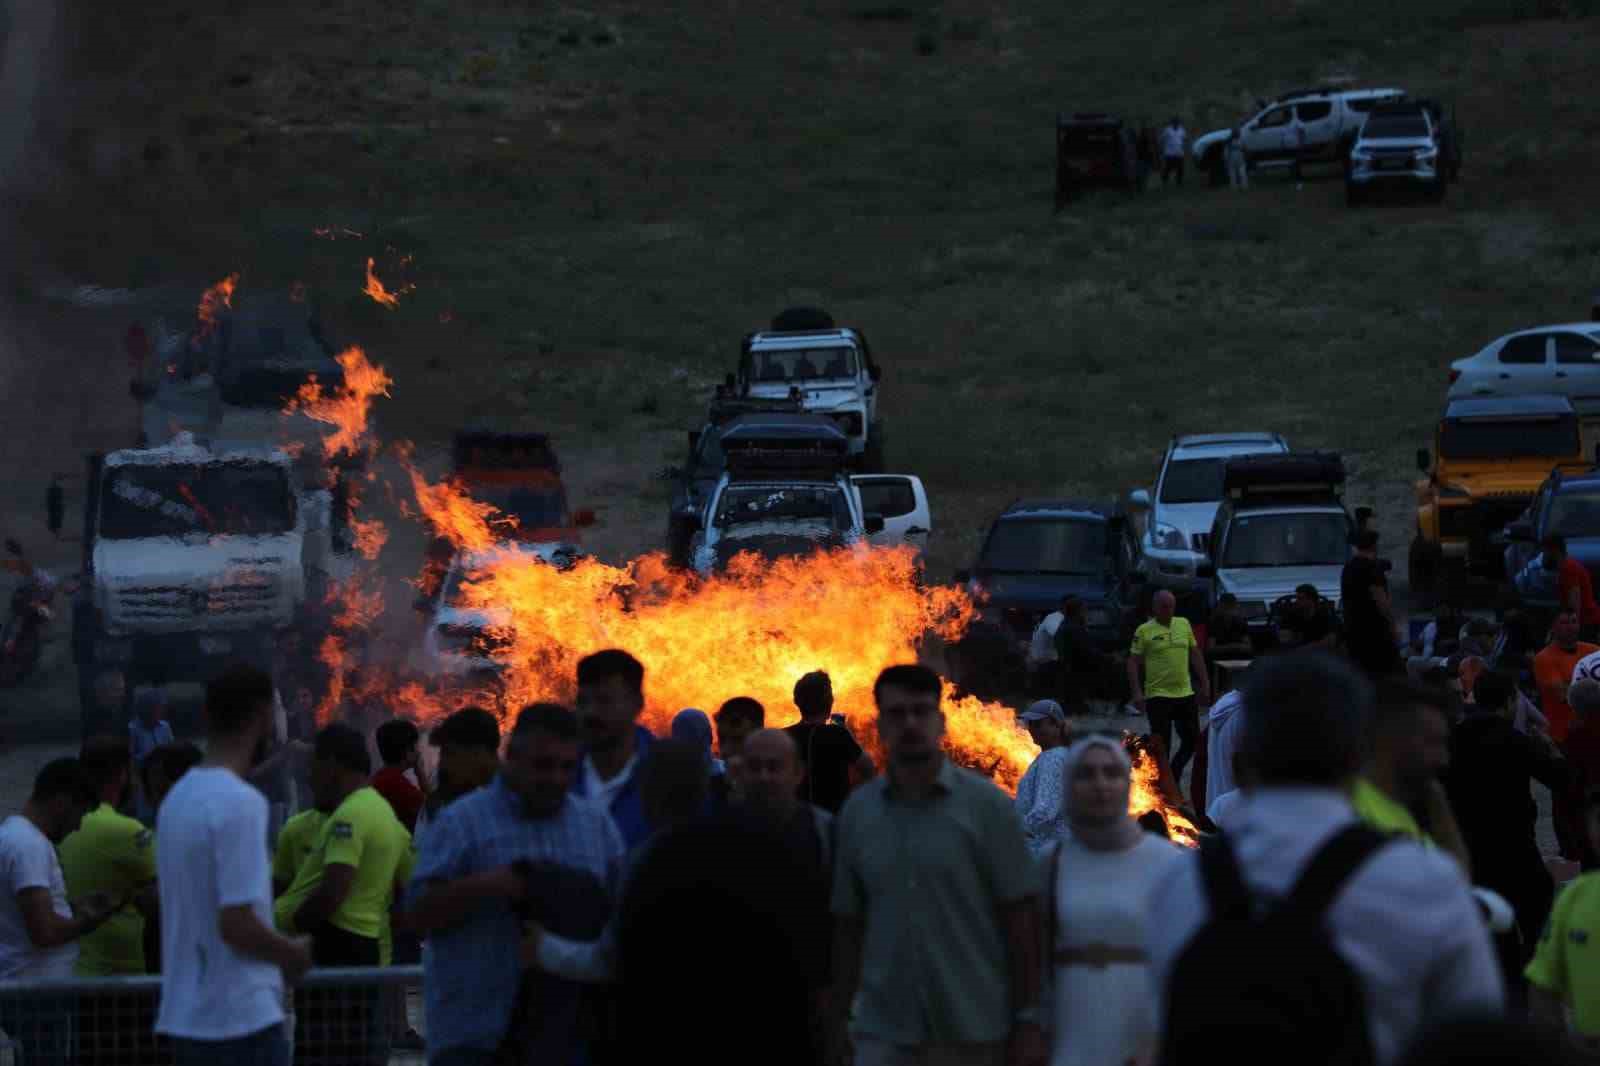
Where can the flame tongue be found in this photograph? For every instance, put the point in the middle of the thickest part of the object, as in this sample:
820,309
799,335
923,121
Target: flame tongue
346,409
212,302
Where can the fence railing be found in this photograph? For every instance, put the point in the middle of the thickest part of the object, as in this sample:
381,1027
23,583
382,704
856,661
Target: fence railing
338,1017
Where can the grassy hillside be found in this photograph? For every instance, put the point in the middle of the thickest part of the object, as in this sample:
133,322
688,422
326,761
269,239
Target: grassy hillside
599,199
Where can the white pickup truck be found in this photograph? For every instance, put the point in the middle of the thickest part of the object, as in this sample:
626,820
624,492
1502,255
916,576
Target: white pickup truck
830,371
193,557
1308,126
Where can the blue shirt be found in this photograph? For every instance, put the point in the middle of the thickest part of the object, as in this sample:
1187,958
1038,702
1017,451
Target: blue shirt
471,973
627,807
143,741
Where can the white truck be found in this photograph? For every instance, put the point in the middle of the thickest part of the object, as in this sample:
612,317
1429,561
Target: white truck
785,492
194,557
830,371
1305,126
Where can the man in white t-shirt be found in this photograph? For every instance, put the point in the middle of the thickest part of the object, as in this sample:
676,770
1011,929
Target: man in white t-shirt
1174,141
39,928
223,965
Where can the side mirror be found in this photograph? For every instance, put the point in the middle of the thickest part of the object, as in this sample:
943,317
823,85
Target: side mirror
1206,570
874,523
1424,460
1139,499
963,576
1520,531
583,519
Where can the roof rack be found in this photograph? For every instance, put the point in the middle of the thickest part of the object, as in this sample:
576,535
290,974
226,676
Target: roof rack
1290,474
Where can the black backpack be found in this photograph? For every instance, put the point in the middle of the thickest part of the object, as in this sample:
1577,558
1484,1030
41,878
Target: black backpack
1269,978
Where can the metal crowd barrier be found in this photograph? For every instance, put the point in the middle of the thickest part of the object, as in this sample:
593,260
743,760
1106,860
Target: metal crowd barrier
339,1017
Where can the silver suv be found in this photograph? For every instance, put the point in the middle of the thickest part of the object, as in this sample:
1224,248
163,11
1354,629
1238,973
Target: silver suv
1399,147
1183,504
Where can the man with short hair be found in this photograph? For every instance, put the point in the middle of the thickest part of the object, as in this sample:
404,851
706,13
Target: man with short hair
736,719
1165,671
1491,769
1311,621
469,757
1404,920
1400,790
39,928
1370,637
610,699
1085,669
1043,661
399,748
831,761
478,865
114,855
223,965
1527,718
935,900
1574,586
1553,670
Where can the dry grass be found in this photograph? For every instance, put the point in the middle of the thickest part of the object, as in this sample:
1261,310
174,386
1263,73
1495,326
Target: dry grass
601,199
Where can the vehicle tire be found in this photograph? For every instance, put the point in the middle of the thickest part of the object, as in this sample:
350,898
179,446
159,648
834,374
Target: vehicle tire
1422,574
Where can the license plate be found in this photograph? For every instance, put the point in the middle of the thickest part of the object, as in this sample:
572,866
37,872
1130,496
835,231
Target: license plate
215,645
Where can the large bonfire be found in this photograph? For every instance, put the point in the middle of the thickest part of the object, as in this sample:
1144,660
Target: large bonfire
750,631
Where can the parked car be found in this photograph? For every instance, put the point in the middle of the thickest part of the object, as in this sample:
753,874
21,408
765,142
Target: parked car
1183,504
1562,360
1094,149
1400,146
832,373
1490,456
1282,524
1038,551
517,471
1304,126
1566,505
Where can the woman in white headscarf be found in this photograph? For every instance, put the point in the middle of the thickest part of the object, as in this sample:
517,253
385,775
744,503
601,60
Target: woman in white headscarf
1102,1011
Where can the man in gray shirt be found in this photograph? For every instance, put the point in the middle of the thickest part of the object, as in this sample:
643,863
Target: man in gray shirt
936,900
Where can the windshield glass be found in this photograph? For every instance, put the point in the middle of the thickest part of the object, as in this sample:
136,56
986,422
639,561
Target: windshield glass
273,386
1556,437
1045,546
216,498
533,507
1307,539
1192,481
1574,514
804,364
1395,127
819,505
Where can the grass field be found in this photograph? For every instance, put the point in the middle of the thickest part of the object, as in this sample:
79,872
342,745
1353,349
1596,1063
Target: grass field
599,199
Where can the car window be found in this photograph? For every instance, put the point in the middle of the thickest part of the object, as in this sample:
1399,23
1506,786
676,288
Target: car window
1526,350
1574,514
1313,111
1576,348
1278,116
1192,481
1045,545
889,497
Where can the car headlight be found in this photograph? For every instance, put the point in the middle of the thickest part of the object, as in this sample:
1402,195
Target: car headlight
1167,538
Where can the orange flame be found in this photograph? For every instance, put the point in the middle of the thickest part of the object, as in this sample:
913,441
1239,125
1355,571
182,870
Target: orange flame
346,409
212,301
375,288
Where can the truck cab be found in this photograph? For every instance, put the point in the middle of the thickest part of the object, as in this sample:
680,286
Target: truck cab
829,371
786,491
1282,524
519,474
1490,456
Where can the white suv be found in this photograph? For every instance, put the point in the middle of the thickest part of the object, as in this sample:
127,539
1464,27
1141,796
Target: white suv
1183,504
1398,148
1312,125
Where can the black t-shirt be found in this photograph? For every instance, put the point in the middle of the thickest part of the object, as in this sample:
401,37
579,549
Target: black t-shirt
827,751
1314,626
1361,575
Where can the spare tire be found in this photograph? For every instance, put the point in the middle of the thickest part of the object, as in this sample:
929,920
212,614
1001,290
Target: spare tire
800,318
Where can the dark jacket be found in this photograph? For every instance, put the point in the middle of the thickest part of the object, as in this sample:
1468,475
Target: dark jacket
627,809
1491,766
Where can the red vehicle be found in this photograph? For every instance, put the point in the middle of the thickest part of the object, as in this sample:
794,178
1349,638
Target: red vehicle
1094,149
520,475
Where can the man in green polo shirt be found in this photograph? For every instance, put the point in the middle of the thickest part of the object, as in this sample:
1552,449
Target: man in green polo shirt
1165,667
115,855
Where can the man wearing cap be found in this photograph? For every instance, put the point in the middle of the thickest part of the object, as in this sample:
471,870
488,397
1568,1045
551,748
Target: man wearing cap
1040,793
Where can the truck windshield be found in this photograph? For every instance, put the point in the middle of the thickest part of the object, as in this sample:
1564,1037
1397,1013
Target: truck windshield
533,506
274,385
214,498
806,505
1556,437
1574,514
804,364
1192,481
1045,546
1295,539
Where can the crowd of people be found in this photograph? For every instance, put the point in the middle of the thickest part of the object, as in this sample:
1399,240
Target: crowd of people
579,889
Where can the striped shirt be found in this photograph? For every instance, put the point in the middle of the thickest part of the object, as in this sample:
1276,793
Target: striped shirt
472,971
